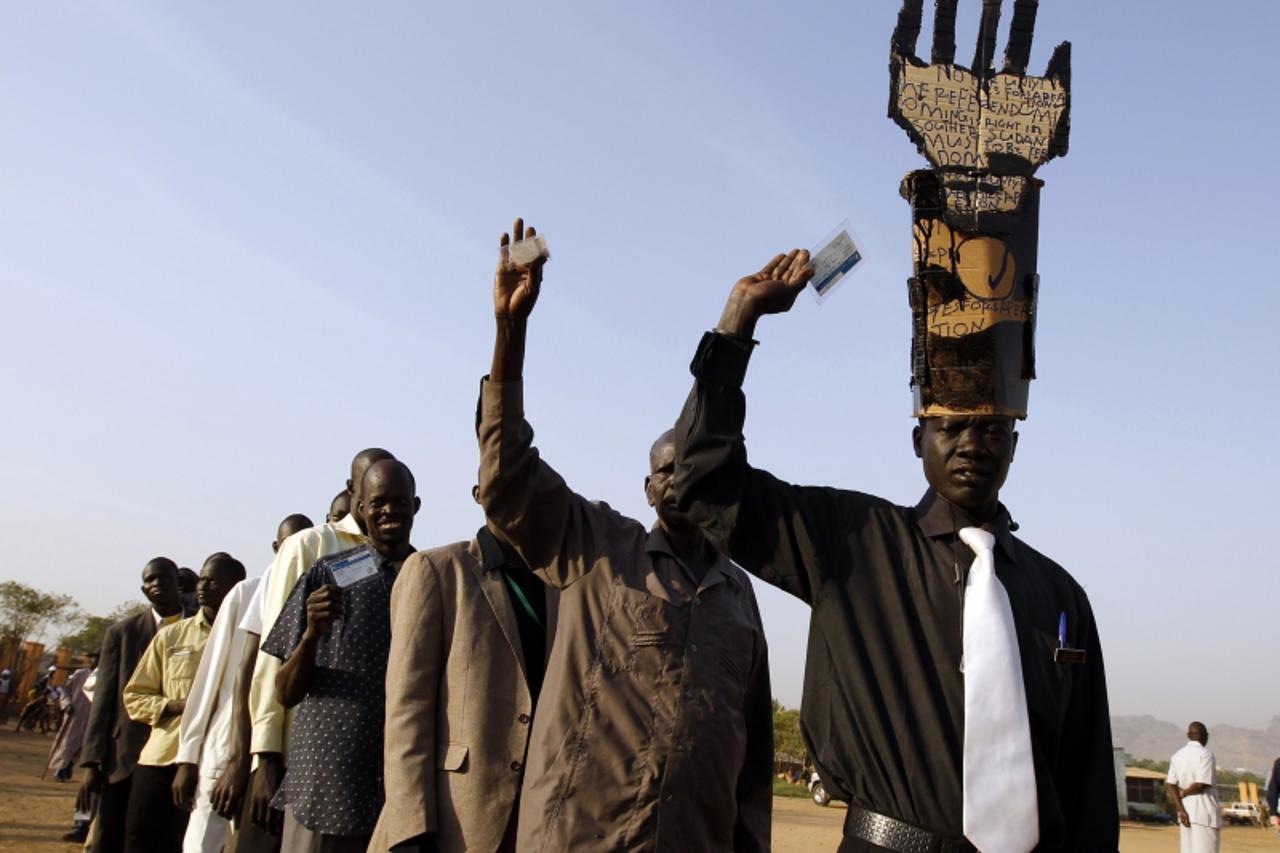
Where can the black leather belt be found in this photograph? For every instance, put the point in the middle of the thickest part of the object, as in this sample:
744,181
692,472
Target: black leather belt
893,834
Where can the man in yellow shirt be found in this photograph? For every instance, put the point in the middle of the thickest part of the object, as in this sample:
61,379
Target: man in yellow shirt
156,695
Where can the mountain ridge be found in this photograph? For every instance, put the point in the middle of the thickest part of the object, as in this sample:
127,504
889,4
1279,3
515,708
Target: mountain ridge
1234,747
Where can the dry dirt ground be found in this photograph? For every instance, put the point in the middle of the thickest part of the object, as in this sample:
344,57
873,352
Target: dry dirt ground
34,813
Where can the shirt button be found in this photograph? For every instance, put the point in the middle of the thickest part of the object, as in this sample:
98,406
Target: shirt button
697,600
515,765
524,719
693,647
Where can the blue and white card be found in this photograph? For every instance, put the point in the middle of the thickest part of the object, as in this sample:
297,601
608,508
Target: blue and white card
360,566
833,259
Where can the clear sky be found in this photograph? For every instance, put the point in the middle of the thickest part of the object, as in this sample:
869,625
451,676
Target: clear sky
240,241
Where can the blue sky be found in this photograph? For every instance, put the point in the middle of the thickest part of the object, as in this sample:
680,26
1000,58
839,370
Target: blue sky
240,241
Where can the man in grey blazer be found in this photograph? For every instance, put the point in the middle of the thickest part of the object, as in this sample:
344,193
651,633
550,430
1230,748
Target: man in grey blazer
112,742
470,630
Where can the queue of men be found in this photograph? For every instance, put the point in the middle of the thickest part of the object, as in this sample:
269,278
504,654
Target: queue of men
569,678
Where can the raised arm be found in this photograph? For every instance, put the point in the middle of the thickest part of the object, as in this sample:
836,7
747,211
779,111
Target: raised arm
770,528
559,534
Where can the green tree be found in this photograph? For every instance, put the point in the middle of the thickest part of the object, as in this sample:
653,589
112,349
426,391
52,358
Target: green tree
94,628
787,739
25,612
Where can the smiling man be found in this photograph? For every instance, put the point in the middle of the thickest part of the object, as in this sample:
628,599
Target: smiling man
333,636
951,667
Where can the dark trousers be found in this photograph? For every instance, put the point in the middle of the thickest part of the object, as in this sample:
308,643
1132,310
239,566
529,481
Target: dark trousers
155,824
246,837
113,806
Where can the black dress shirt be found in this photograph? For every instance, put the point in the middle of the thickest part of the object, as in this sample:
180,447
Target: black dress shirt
883,707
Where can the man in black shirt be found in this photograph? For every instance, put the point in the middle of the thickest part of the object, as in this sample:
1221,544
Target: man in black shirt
883,707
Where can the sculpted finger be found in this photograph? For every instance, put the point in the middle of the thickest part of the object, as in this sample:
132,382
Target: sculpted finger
944,33
769,270
504,251
1059,67
908,28
984,52
1021,31
518,229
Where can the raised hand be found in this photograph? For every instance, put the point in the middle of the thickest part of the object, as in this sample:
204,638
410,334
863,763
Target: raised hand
773,290
323,607
516,286
975,118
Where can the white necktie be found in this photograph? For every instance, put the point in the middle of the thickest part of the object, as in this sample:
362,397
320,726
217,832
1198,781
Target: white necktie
1000,810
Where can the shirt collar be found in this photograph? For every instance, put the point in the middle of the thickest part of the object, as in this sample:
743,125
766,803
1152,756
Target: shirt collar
347,524
165,620
936,518
491,556
721,569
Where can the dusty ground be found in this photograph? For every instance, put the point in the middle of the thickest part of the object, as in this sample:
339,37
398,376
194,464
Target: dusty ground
799,826
35,813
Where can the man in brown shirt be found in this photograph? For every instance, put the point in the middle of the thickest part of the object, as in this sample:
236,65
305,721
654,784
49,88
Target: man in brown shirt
654,731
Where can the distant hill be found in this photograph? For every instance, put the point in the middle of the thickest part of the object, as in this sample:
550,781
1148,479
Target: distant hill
1233,746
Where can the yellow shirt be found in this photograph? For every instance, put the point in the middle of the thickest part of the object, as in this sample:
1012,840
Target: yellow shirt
166,671
297,554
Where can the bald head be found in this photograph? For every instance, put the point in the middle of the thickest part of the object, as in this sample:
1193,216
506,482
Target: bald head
218,576
1198,732
339,506
387,503
292,524
662,450
360,465
389,471
361,462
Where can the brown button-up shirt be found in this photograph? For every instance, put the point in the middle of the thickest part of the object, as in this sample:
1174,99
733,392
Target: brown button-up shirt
654,730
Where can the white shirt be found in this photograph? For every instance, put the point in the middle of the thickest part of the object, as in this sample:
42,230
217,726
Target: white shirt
252,619
1193,763
204,737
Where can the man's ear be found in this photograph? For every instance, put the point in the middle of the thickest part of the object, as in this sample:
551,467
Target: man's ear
648,495
917,440
351,489
475,493
1014,447
417,504
275,546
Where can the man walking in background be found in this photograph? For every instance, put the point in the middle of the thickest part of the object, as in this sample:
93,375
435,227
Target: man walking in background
1192,788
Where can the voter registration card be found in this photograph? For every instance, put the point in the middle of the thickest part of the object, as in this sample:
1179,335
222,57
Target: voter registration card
361,565
529,250
834,258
